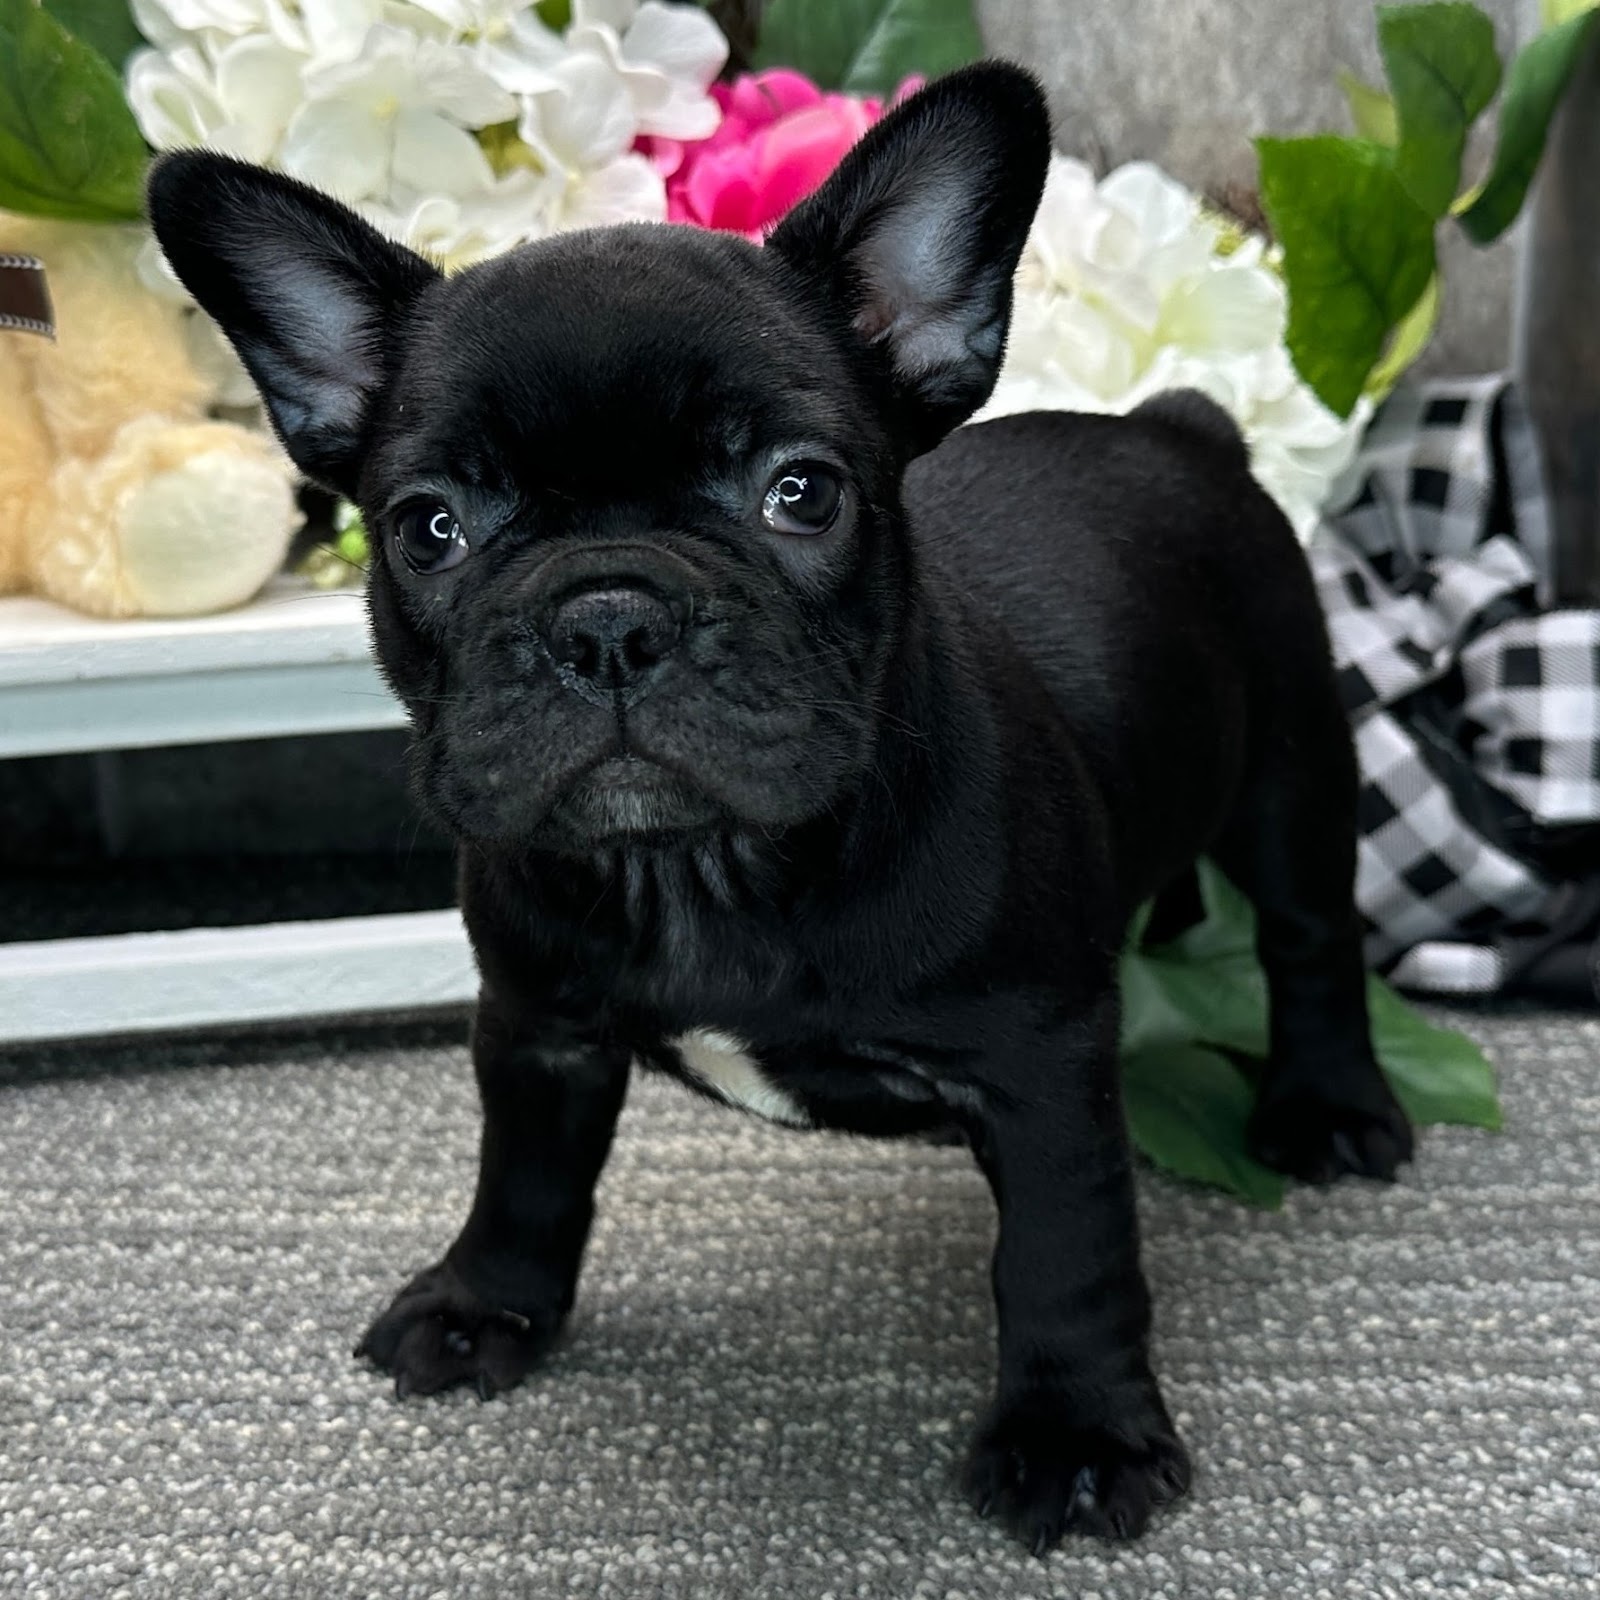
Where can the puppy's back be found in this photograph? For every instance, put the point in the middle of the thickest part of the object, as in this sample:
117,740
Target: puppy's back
1089,537
1158,591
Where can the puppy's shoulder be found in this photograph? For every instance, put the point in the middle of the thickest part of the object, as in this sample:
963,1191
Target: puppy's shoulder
1178,424
1196,418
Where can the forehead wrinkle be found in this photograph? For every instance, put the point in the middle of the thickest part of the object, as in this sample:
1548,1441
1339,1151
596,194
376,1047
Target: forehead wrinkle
619,303
531,370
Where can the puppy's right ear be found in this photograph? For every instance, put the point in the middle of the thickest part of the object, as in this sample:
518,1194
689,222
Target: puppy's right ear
308,294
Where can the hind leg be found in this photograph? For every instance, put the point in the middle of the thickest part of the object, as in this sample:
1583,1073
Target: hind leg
1324,1107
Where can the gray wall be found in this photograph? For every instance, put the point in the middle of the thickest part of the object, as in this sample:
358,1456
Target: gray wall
1187,83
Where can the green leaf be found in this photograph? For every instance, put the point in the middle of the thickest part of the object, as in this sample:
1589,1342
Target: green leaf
1371,110
1552,13
817,37
915,36
1137,923
1443,70
868,46
68,143
555,14
1409,341
1229,927
1204,986
1187,1109
107,25
1187,1001
1357,255
1534,86
1438,1075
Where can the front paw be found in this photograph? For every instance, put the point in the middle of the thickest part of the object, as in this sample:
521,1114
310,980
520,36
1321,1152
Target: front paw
1046,1475
438,1333
1317,1137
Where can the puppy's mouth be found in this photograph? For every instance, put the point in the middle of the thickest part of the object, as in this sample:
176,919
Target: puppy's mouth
629,797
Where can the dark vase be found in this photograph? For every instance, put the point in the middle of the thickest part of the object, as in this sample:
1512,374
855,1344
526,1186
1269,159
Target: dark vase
1557,358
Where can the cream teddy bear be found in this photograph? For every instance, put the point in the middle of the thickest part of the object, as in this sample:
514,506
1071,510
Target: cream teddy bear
118,494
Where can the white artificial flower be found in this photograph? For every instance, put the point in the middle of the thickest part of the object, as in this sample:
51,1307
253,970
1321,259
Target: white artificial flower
335,30
383,103
153,20
324,30
628,189
213,357
656,59
457,230
164,21
650,65
397,114
586,119
666,55
513,45
477,19
524,204
237,98
621,70
173,96
1125,289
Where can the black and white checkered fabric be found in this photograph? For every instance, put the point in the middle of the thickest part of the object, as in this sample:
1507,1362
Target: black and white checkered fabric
1533,688
1476,712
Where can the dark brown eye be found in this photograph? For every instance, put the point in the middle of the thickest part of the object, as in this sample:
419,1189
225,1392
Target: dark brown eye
804,499
429,537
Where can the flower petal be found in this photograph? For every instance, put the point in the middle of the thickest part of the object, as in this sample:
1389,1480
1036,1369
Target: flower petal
1225,311
154,21
172,98
1159,207
680,40
458,232
524,61
220,16
336,29
685,114
665,155
589,120
613,14
435,156
723,190
448,79
1122,292
378,77
259,85
339,147
625,190
797,153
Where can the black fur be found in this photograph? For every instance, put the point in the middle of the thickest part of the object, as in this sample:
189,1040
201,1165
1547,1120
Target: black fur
877,802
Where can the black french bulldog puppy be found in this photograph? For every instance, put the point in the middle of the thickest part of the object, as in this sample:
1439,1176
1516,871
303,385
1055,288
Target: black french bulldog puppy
807,757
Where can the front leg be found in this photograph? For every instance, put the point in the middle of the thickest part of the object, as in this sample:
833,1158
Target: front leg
1078,1437
491,1309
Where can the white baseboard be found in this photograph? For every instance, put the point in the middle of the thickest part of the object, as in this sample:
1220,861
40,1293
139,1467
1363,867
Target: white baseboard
200,977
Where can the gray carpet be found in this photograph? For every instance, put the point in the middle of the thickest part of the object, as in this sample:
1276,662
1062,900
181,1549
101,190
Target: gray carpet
781,1344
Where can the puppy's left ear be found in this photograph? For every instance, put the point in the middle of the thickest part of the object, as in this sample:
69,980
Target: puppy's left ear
915,237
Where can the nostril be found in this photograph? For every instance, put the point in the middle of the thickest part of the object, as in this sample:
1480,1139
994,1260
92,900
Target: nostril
574,645
646,645
582,652
612,636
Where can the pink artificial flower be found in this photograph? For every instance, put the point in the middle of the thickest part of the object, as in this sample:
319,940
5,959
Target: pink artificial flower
780,136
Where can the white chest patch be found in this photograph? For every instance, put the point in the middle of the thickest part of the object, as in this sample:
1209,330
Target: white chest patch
725,1066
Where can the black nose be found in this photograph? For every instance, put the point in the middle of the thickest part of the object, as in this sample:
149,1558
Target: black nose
613,638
